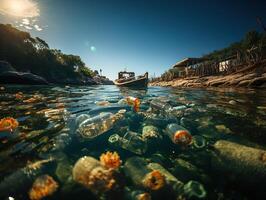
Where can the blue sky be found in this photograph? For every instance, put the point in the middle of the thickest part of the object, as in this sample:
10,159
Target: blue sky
140,35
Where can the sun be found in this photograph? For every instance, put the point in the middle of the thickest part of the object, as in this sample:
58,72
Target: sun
19,8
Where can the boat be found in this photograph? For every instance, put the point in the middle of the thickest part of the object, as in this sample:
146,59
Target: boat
128,79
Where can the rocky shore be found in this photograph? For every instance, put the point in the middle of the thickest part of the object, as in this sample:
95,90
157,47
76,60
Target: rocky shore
249,77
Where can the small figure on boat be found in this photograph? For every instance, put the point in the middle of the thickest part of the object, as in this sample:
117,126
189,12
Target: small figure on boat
128,79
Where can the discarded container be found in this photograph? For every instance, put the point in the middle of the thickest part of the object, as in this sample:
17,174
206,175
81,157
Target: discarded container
22,179
90,173
81,118
42,187
150,132
178,134
192,189
160,106
134,101
131,141
95,126
246,163
142,176
199,142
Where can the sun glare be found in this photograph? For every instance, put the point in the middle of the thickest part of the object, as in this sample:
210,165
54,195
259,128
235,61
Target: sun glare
19,8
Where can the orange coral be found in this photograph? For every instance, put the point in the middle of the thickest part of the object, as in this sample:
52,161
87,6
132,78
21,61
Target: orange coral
154,180
182,137
110,160
43,186
8,124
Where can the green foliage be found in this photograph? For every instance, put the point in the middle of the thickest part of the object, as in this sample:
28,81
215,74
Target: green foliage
33,54
86,71
170,74
251,39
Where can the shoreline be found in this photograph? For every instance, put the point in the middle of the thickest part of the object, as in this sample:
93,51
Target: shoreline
250,77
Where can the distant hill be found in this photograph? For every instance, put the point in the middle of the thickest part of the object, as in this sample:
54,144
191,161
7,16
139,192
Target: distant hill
28,54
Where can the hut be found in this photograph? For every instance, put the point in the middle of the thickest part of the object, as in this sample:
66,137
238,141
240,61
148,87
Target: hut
187,66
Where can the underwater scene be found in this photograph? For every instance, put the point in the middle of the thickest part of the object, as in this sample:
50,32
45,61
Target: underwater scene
105,142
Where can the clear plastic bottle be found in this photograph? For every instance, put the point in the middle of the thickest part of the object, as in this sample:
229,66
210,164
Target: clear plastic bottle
178,134
131,141
160,106
94,126
136,168
90,173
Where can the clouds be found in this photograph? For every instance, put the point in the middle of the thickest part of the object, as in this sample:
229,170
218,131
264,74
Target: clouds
29,24
19,8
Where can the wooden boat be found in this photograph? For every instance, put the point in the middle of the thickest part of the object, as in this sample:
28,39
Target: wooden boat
128,79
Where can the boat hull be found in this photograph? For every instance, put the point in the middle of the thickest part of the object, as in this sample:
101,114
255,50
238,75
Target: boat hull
141,82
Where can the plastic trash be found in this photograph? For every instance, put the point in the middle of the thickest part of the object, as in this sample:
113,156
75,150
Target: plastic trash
136,168
90,173
178,134
192,189
199,142
150,132
131,141
246,163
160,106
22,179
133,101
95,126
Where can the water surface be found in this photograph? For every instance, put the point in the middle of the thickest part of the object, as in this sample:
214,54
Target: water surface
46,117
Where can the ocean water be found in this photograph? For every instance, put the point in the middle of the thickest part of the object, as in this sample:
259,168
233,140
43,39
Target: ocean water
48,140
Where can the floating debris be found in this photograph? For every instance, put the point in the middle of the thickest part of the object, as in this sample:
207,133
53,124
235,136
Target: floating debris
142,176
178,134
133,101
131,141
90,173
150,132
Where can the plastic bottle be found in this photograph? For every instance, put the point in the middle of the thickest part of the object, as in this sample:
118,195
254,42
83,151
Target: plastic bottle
90,173
95,126
150,132
131,141
178,134
160,106
199,142
134,101
248,164
136,168
192,189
